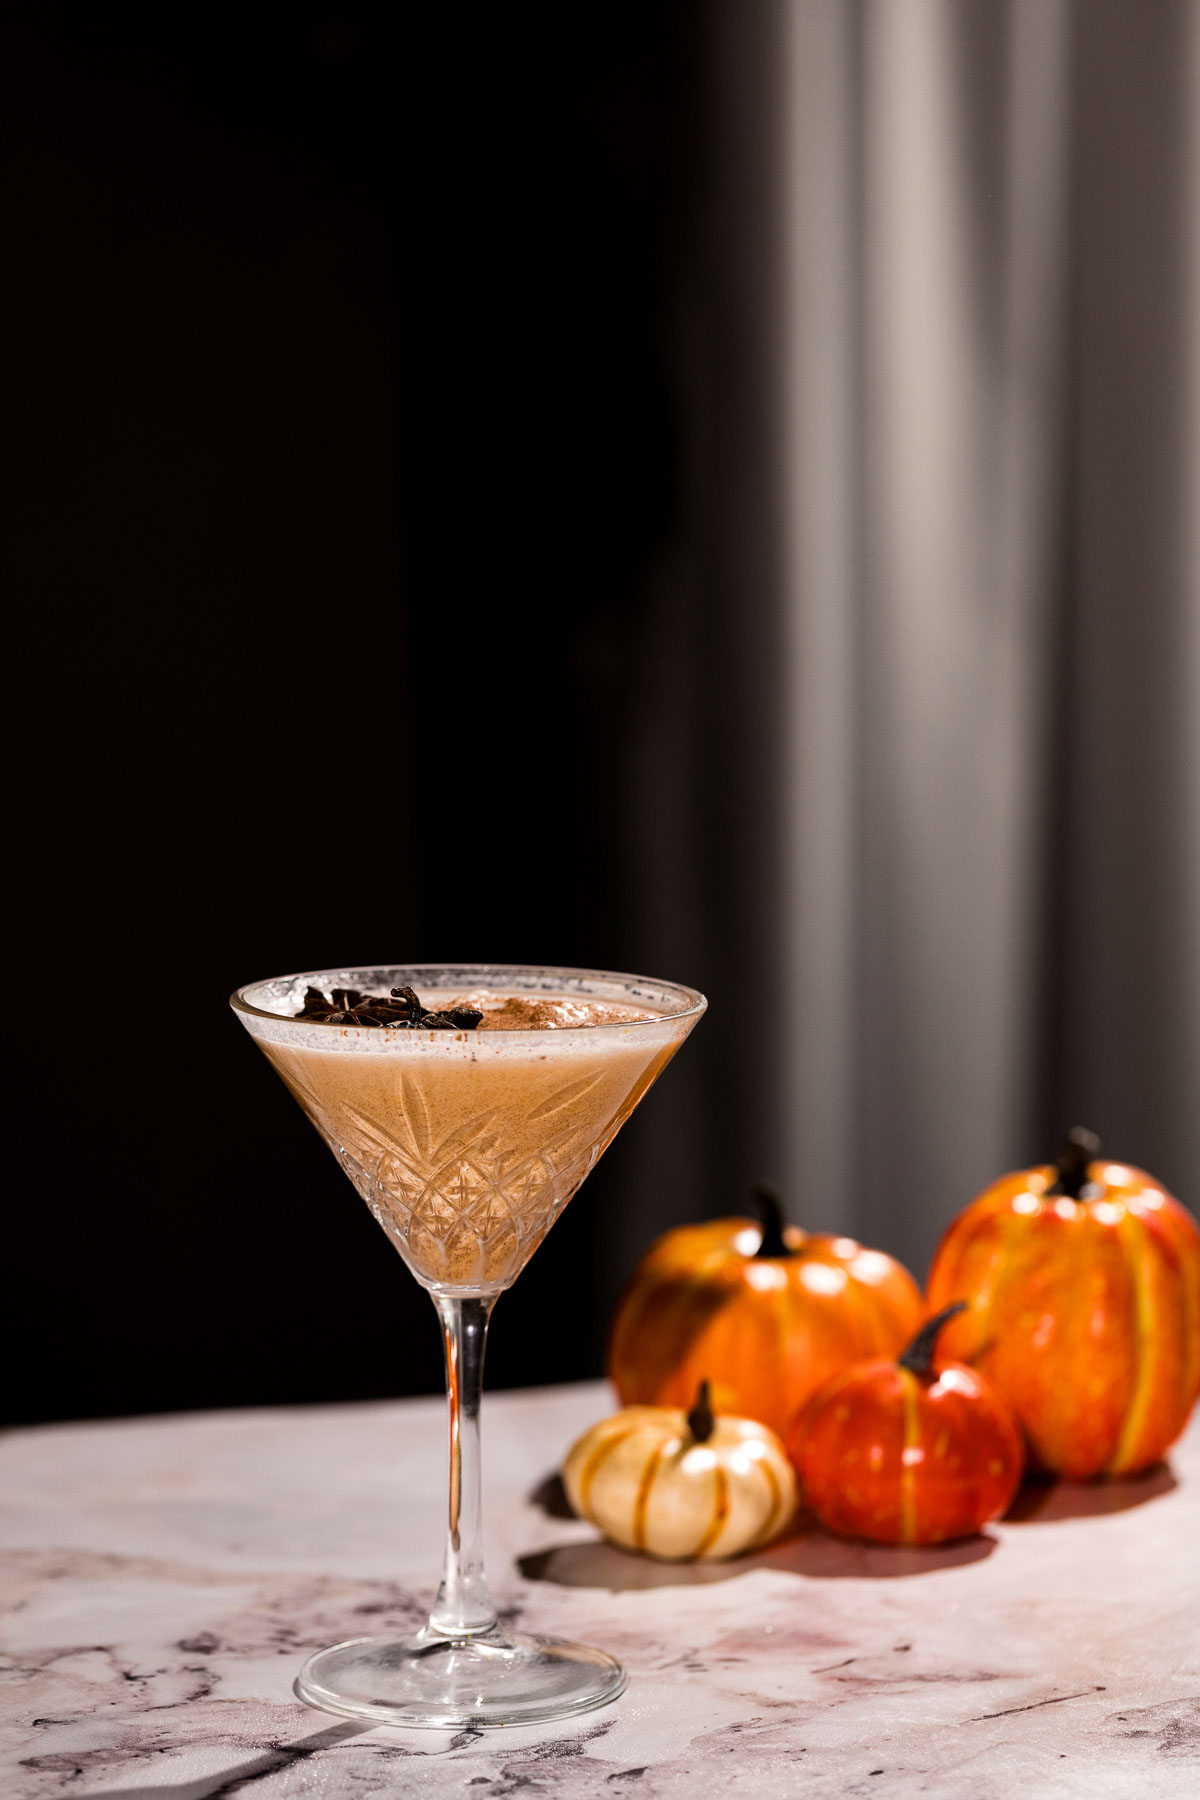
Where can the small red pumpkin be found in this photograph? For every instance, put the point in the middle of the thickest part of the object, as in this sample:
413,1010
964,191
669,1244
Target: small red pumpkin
1084,1287
907,1452
762,1310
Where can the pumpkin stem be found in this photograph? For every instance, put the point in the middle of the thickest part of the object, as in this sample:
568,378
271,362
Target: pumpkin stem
768,1208
918,1358
700,1421
1074,1160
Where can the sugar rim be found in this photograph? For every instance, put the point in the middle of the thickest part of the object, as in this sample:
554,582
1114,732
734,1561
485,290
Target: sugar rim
479,975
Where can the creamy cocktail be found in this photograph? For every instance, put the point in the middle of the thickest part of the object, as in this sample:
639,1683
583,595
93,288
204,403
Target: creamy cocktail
466,1145
466,1104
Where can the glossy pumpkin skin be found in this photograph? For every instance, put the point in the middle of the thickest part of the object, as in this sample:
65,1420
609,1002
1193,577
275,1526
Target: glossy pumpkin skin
764,1331
1084,1313
907,1459
644,1480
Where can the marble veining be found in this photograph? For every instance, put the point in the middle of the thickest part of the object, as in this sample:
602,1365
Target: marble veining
163,1578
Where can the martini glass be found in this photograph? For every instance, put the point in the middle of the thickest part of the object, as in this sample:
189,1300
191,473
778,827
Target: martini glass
467,1145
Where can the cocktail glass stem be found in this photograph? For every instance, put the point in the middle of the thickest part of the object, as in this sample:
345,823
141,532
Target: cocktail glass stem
463,1607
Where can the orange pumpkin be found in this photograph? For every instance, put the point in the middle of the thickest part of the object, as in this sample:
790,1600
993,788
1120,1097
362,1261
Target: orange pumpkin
907,1452
1084,1287
764,1311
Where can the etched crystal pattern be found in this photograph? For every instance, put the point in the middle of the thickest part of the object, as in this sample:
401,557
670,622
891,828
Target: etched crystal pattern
468,1209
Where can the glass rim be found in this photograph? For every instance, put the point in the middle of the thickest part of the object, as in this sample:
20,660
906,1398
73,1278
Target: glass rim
694,1002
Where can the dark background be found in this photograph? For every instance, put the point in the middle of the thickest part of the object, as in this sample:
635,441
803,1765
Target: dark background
339,442
694,487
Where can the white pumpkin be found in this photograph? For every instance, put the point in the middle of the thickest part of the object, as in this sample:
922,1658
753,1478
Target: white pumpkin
682,1485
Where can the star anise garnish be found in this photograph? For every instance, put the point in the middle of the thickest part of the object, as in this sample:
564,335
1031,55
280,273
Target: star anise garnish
401,1010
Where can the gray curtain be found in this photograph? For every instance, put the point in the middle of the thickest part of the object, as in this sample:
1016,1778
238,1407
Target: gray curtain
921,703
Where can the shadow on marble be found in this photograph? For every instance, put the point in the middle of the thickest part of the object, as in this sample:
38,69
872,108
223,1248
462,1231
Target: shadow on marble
550,1497
810,1553
227,1781
1045,1500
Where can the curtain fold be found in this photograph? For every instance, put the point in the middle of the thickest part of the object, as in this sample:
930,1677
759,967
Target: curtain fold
922,695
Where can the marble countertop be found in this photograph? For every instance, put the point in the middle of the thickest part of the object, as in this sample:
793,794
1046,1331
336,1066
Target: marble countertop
163,1578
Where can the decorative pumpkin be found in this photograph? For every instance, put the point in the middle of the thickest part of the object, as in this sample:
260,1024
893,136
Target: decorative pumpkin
766,1312
905,1452
1084,1287
682,1485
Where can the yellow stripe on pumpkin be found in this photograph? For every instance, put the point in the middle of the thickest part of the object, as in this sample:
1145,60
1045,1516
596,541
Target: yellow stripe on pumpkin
600,1454
1148,1370
643,1495
776,1500
720,1510
911,1390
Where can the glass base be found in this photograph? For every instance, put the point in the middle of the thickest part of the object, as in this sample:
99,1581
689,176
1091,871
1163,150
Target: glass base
493,1679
